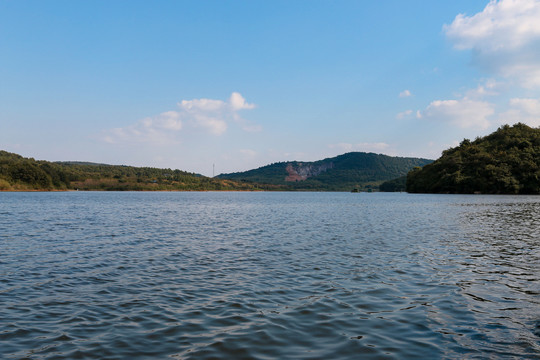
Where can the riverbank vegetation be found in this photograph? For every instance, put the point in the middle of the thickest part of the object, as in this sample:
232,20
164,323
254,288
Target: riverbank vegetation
18,173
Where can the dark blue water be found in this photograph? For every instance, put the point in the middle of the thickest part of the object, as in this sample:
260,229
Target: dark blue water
268,275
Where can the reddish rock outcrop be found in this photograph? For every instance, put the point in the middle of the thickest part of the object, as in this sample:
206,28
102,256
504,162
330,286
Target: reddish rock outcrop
301,172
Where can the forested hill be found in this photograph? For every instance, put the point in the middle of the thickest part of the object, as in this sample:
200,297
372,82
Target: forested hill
355,170
19,173
504,162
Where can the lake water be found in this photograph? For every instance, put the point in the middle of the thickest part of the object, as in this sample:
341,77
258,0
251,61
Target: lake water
268,275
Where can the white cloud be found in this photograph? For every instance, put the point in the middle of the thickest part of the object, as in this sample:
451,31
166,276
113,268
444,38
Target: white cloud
504,37
347,147
405,93
239,103
487,88
522,110
205,105
404,114
169,120
530,106
205,113
464,113
505,24
208,114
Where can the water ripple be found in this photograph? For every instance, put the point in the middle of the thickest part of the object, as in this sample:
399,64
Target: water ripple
268,275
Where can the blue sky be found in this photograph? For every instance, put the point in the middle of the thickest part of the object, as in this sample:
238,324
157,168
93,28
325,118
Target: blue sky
240,84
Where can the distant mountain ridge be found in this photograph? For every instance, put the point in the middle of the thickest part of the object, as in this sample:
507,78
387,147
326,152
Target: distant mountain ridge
362,171
354,170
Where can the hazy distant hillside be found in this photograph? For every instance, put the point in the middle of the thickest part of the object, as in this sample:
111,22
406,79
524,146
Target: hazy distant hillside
19,173
504,162
341,173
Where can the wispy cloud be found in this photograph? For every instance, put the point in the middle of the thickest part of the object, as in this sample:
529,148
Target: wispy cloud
504,37
463,113
486,88
158,128
405,93
404,114
213,116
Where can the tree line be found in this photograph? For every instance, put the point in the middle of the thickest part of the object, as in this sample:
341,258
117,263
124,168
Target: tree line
18,173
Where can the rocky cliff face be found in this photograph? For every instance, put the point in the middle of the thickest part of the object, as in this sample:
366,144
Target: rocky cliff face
301,171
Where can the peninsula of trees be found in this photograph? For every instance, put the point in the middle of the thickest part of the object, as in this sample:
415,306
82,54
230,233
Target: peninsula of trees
504,162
